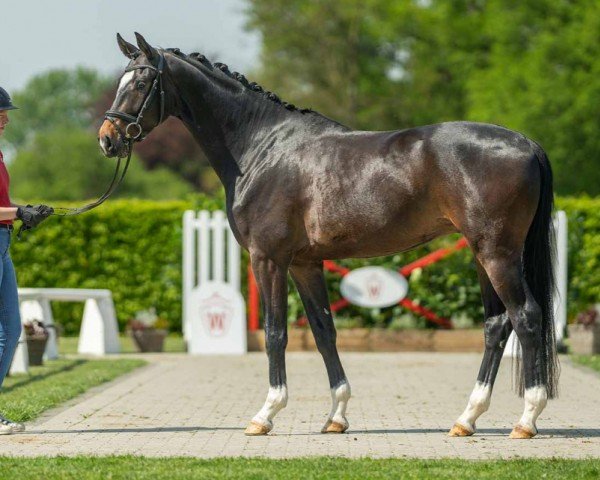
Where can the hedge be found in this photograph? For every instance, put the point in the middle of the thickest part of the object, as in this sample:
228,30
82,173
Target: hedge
584,251
133,248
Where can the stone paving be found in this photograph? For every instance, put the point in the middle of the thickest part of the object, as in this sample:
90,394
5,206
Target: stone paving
402,406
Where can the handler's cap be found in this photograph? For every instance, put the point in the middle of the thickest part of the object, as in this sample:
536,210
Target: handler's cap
5,102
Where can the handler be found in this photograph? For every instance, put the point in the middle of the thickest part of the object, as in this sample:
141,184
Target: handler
10,319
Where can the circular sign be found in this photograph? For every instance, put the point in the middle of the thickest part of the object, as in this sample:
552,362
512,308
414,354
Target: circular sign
374,287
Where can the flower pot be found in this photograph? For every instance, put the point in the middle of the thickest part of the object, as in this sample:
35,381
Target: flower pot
149,339
584,339
36,345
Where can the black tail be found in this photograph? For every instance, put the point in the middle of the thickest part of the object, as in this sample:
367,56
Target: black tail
538,261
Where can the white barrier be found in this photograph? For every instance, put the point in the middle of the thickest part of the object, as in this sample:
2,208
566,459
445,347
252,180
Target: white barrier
560,293
214,320
99,333
20,361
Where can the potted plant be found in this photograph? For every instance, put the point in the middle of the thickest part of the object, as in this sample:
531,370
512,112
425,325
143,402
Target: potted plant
148,330
584,334
36,334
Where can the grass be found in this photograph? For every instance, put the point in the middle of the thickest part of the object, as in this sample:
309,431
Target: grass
25,396
173,343
132,468
591,361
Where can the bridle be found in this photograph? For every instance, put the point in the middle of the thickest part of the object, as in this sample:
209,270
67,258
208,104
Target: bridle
134,125
136,122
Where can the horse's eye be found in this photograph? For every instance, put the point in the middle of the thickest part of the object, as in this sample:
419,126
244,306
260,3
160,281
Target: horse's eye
141,85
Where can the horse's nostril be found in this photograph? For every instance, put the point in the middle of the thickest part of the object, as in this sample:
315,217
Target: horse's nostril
110,148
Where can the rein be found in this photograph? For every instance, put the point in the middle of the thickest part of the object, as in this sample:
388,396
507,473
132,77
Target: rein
133,127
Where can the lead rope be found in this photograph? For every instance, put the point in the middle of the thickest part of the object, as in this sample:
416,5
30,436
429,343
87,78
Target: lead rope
114,184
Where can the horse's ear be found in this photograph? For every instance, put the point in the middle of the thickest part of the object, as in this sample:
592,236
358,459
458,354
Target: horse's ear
127,48
145,47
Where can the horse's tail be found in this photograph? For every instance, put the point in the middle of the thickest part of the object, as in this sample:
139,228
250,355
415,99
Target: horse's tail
538,262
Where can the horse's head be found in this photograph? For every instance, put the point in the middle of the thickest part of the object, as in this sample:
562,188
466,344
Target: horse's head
139,104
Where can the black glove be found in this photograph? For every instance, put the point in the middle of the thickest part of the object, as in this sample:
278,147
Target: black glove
32,216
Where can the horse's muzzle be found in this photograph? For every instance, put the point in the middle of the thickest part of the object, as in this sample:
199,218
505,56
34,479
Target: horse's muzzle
110,141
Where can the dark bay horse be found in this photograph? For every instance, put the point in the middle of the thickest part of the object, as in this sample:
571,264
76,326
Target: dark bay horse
302,188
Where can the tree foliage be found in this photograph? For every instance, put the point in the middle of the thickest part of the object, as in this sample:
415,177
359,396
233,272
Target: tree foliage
54,135
66,164
53,99
531,65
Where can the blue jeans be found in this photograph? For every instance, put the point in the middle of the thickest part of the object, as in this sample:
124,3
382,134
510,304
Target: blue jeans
10,318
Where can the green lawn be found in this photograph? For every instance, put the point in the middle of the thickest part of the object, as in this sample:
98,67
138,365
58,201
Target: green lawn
591,361
173,343
131,468
25,396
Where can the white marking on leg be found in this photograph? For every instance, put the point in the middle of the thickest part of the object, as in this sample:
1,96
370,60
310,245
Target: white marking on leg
536,399
276,400
339,402
326,311
479,402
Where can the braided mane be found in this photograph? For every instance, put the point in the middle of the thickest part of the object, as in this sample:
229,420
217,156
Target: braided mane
192,58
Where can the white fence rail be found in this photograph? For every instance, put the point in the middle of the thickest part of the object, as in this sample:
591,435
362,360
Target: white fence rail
211,270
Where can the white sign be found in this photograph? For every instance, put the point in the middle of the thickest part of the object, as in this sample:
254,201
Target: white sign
214,315
217,316
374,287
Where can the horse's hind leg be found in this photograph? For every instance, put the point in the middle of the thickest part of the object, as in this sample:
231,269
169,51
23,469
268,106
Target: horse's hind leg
272,284
497,330
507,277
310,281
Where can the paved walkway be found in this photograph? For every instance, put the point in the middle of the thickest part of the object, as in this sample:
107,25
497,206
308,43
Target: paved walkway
402,406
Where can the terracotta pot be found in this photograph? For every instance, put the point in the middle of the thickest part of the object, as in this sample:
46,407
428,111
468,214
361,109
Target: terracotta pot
35,349
584,340
149,339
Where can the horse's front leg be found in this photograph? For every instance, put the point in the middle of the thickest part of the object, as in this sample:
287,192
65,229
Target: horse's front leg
271,278
311,285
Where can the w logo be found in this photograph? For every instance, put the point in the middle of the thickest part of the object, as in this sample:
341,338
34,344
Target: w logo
216,322
216,314
374,287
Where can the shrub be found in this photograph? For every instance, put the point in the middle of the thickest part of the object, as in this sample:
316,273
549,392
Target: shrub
133,248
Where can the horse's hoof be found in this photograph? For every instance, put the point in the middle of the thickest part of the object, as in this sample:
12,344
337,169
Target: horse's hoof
459,431
520,432
254,429
334,427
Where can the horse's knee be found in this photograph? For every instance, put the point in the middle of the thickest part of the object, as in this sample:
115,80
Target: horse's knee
276,342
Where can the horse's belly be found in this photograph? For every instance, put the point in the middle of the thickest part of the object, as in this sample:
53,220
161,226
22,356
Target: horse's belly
361,236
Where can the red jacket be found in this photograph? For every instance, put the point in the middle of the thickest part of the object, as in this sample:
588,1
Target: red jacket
4,185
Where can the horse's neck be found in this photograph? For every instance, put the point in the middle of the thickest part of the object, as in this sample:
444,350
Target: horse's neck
224,119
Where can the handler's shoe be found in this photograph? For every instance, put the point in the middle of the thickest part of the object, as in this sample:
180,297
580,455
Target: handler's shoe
6,424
